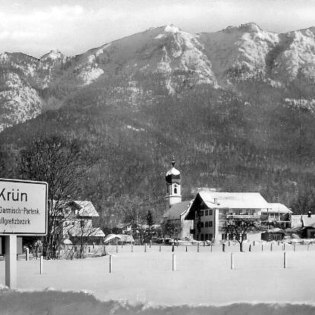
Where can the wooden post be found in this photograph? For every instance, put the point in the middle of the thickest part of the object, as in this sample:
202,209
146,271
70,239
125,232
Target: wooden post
283,246
173,262
186,248
271,247
160,248
262,247
250,248
198,247
223,247
145,247
131,248
284,260
41,265
232,261
110,262
10,261
27,254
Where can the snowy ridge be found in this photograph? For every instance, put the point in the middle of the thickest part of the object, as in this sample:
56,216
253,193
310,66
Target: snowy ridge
176,59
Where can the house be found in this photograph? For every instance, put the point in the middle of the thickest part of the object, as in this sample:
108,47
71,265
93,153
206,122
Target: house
77,223
211,209
277,214
174,219
304,225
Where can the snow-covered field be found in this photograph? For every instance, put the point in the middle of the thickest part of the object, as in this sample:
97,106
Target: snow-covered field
145,281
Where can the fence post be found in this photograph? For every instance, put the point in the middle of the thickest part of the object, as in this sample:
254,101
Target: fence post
186,248
223,247
173,262
271,247
262,247
145,247
198,247
160,248
110,262
284,260
250,248
232,261
27,254
41,265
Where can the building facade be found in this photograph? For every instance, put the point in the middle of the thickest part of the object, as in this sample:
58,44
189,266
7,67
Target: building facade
210,211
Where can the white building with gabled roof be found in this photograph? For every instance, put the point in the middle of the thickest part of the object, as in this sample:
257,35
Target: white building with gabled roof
210,209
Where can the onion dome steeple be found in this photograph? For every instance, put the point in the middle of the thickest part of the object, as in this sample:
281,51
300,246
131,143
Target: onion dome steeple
173,188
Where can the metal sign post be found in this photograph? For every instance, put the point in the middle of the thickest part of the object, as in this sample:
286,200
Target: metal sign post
23,211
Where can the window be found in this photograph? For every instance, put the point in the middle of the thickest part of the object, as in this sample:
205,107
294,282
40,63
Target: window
202,237
223,236
201,224
210,237
206,237
201,213
206,212
175,189
210,212
206,224
210,223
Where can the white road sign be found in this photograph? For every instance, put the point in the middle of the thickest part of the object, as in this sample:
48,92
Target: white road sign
23,207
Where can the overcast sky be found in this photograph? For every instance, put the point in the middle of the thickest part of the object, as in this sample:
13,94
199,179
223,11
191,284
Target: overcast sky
74,26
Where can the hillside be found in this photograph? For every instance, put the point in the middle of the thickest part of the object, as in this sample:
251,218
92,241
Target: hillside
236,108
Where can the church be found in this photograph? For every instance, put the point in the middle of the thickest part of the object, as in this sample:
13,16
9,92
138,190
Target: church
174,218
204,217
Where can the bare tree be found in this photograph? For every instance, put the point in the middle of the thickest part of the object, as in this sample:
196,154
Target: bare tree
56,161
237,227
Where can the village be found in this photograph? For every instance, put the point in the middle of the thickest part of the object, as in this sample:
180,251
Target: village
211,218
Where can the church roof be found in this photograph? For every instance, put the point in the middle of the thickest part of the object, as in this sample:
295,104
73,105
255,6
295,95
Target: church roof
176,210
173,171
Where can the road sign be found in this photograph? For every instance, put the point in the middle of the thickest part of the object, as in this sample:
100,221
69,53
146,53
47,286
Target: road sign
23,207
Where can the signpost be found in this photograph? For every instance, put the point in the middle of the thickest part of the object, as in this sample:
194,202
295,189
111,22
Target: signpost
23,211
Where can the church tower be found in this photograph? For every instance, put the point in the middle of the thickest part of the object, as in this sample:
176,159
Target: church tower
173,189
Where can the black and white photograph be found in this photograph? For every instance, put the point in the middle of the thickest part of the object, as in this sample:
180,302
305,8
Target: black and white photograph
157,157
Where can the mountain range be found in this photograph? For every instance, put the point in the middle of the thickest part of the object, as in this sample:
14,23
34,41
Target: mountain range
235,107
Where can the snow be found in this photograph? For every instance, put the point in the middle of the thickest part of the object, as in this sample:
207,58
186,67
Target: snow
19,101
90,74
201,278
171,29
134,129
173,171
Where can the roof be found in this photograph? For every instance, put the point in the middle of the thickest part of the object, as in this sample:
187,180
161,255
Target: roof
227,200
176,210
86,209
173,171
76,231
277,207
233,200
